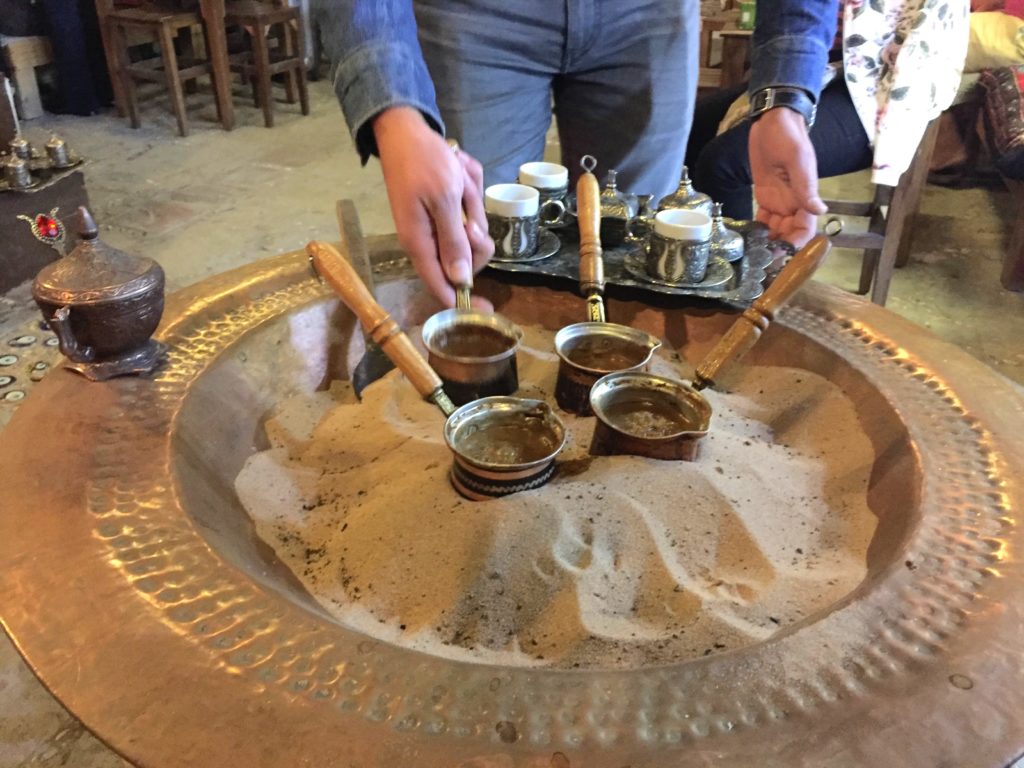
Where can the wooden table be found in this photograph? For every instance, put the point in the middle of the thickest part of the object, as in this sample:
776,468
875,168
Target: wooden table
212,12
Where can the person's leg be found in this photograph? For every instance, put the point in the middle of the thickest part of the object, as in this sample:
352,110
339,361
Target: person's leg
722,170
70,52
627,89
492,62
840,144
707,115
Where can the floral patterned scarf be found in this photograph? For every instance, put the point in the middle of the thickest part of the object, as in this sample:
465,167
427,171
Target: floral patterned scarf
902,61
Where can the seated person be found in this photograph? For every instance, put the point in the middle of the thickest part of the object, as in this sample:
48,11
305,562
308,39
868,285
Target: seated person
720,164
871,114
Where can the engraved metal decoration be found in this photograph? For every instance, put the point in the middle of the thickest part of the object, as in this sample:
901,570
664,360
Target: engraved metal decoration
617,212
104,306
220,658
686,197
738,283
548,245
515,237
26,168
20,147
725,243
57,151
16,173
668,256
47,229
677,262
481,479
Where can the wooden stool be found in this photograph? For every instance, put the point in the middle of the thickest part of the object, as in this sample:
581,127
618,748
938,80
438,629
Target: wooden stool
891,216
165,25
260,62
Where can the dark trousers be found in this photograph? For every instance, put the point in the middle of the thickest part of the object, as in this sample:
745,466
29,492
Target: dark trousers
78,53
720,165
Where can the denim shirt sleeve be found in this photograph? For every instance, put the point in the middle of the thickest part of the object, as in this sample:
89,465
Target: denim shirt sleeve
376,63
791,42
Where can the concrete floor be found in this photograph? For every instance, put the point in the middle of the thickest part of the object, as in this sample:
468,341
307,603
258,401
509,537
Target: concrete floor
209,202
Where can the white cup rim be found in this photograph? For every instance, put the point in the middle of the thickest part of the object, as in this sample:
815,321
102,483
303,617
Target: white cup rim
511,200
544,175
680,224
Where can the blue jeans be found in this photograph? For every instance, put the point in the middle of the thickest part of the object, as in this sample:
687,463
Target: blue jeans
720,165
621,78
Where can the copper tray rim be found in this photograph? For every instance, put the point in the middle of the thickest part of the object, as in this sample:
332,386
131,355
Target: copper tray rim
121,686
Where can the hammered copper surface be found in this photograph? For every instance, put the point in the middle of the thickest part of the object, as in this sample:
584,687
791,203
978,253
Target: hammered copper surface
136,588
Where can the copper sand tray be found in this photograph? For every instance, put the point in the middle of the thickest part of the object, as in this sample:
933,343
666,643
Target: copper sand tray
134,584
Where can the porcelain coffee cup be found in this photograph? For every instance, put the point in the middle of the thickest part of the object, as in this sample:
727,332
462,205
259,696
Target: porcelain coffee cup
551,181
679,247
513,220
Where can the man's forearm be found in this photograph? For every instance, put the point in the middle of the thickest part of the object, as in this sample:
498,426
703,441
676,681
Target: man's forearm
376,62
791,43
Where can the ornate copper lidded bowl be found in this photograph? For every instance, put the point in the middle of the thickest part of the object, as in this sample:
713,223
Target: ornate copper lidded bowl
138,591
104,306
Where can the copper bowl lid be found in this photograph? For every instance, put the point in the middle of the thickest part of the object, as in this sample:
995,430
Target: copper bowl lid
95,272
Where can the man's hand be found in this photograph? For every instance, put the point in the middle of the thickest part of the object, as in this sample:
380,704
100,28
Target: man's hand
429,188
785,174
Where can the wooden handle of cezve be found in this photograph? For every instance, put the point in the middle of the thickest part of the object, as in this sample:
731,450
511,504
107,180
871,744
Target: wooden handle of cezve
588,214
751,324
340,275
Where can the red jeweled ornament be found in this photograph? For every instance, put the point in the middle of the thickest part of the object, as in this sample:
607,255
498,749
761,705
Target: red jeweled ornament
47,225
47,228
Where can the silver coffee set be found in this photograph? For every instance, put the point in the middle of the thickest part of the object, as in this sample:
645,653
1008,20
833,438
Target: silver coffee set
682,242
26,167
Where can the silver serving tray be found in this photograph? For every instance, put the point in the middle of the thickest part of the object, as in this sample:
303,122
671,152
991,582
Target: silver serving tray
746,284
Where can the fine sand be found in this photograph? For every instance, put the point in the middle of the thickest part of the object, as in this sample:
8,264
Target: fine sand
618,562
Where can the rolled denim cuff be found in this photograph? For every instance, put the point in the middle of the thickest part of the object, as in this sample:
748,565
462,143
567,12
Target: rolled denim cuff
797,61
379,75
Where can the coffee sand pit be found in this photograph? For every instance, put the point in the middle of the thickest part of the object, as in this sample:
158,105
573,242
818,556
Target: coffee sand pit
618,562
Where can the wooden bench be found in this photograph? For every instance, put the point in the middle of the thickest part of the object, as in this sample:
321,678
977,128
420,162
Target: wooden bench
23,55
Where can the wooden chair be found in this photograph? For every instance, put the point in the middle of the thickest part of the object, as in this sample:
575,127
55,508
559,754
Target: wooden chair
260,63
891,215
735,55
165,25
709,76
1013,259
